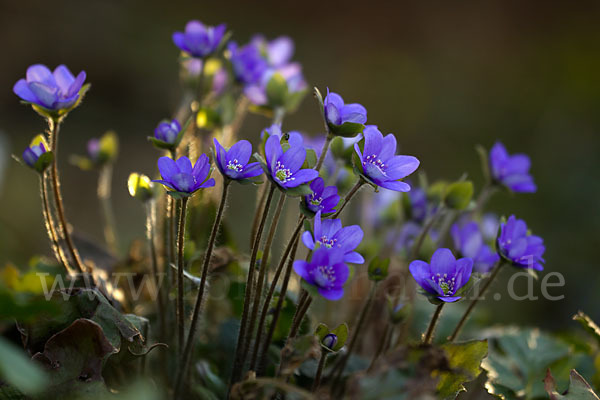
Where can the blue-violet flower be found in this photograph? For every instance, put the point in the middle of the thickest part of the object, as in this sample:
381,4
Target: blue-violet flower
233,163
511,171
443,276
379,162
180,176
284,168
167,131
199,40
519,247
323,199
330,234
53,91
337,113
326,271
469,242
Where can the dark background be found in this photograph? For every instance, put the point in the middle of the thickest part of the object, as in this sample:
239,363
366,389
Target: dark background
443,77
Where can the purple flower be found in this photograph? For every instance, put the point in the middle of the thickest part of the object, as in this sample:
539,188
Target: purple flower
379,162
294,138
511,171
167,131
180,176
518,247
326,271
33,153
489,226
53,91
323,199
233,163
469,242
248,63
278,52
338,113
93,149
285,168
444,276
329,233
290,73
418,204
199,40
330,340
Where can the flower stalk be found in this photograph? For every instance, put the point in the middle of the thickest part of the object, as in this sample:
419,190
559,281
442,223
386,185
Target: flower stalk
187,353
180,266
49,223
428,336
349,196
322,360
104,194
468,311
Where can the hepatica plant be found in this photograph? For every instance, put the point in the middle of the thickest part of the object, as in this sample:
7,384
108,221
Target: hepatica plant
248,272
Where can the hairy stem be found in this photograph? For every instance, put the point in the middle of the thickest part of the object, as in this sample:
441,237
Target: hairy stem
150,222
474,302
428,336
286,279
317,381
349,196
324,152
267,301
49,223
104,192
189,344
242,345
180,266
54,126
362,317
264,264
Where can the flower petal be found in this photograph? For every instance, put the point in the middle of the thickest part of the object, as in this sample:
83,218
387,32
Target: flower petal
399,167
373,141
293,158
398,186
443,262
64,78
308,240
167,168
421,272
46,95
302,176
22,90
240,151
41,74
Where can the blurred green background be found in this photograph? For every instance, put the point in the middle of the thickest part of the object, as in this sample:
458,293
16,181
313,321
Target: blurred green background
443,76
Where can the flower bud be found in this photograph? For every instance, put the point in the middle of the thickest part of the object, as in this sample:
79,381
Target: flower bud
330,340
37,155
140,186
167,131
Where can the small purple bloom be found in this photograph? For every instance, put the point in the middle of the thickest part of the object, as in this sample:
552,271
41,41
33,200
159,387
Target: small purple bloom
233,163
248,63
291,73
294,138
379,161
167,131
489,226
418,204
180,176
326,270
330,234
93,149
54,91
511,171
469,242
33,153
278,52
520,248
285,168
199,40
443,276
330,340
323,199
337,113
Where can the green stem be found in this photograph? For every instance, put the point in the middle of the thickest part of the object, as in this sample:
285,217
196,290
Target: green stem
264,263
486,192
104,192
339,368
54,126
49,223
180,267
243,343
267,301
349,196
317,381
428,336
462,321
301,309
423,234
324,152
382,344
150,222
286,279
260,205
189,344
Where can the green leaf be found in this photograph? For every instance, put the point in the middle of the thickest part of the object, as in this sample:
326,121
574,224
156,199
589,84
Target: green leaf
517,360
301,190
311,159
347,129
43,161
458,195
319,98
342,336
579,389
464,361
321,331
17,369
74,357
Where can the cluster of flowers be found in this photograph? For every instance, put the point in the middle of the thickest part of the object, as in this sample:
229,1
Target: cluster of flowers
269,80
